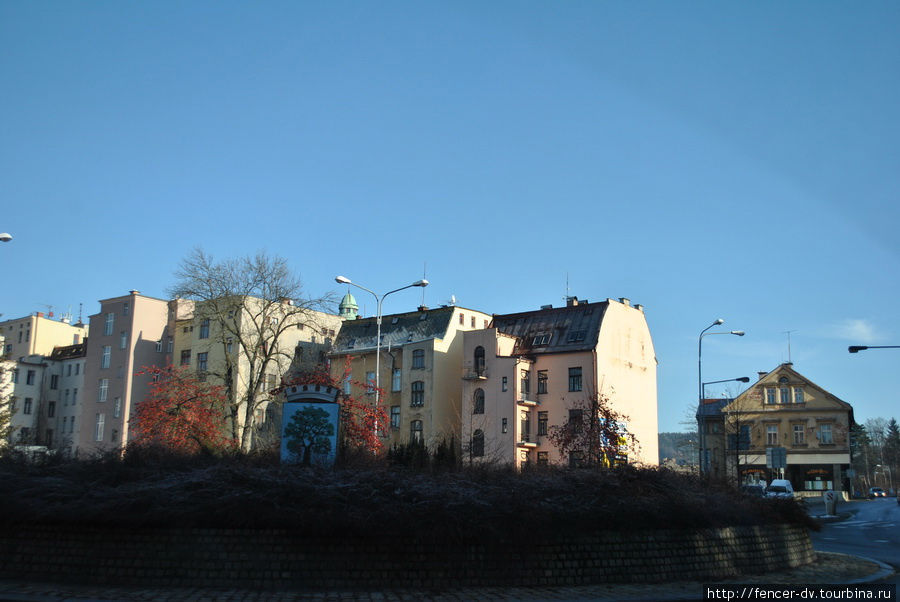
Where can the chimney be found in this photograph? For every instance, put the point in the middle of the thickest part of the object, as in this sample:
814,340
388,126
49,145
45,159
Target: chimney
761,374
639,307
134,292
40,314
625,301
423,308
571,301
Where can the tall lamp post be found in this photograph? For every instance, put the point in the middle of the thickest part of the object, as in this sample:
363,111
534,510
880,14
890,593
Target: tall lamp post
379,299
701,425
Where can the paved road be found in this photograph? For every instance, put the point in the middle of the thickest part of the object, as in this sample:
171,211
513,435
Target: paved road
872,531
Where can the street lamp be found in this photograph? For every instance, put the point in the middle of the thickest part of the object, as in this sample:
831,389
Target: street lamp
890,475
858,348
379,299
740,379
703,333
5,237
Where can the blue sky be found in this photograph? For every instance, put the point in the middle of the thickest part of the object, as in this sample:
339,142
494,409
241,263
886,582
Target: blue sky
704,159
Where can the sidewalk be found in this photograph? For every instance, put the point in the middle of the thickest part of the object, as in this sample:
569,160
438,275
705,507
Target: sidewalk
830,569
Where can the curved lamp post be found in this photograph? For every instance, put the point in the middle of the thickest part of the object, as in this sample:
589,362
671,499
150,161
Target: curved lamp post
379,299
703,333
740,379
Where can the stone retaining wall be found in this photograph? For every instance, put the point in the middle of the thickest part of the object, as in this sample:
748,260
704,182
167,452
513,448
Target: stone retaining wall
275,559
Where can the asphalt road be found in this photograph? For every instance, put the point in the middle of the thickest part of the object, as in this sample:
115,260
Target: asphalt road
872,531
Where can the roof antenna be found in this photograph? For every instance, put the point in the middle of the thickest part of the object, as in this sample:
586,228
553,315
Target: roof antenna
424,269
788,332
566,298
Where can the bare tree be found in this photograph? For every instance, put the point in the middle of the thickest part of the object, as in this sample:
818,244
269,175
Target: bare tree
250,306
594,434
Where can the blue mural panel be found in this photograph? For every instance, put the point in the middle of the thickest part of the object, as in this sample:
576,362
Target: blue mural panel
309,433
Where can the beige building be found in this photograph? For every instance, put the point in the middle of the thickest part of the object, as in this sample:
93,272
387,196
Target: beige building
524,374
235,352
125,337
421,355
38,335
783,409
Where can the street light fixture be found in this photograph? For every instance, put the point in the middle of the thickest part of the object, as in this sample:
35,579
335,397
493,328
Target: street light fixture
703,333
740,379
5,237
858,348
379,299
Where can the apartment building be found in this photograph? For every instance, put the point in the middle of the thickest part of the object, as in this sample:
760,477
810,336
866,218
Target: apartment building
527,371
38,334
783,409
232,343
421,355
126,336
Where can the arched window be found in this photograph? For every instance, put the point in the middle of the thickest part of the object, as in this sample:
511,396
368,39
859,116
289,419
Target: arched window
479,360
478,402
478,443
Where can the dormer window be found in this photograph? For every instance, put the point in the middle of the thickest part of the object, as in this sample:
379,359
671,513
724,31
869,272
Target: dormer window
351,343
541,340
577,336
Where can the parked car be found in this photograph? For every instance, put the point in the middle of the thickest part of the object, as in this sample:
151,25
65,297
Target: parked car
876,492
780,488
753,490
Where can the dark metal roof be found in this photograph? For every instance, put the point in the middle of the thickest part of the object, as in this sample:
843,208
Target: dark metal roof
554,330
69,351
713,407
396,330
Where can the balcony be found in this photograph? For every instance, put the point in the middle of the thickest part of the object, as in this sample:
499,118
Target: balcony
475,373
527,399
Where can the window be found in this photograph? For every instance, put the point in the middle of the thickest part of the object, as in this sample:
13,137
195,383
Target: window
125,309
66,399
770,396
479,361
15,375
478,402
799,434
785,395
159,346
114,434
104,359
543,458
77,369
798,395
575,420
117,407
27,406
54,381
186,357
370,383
395,379
347,385
478,443
98,427
575,379
472,322
542,423
504,384
462,319
825,435
418,394
415,431
395,417
74,395
104,389
504,426
204,328
576,459
123,339
51,409
525,425
525,383
577,336
771,435
202,361
541,339
29,377
418,358
110,324
542,381
229,345
69,370
170,344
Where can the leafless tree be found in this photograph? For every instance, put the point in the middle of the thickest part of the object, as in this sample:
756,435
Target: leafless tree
251,303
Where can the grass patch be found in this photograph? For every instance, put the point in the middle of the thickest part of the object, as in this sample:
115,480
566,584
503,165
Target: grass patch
151,489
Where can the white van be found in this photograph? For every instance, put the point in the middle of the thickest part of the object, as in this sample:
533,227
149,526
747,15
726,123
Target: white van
780,488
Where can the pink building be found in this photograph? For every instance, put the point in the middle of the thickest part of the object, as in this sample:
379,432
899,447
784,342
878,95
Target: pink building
524,373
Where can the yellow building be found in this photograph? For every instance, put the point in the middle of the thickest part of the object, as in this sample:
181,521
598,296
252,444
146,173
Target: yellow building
528,371
38,334
785,409
421,358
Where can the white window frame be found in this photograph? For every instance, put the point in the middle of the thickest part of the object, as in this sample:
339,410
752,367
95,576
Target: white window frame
105,357
117,407
103,391
110,324
99,425
396,380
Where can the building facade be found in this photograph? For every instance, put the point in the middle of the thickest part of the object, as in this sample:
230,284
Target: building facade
783,409
38,334
421,356
526,372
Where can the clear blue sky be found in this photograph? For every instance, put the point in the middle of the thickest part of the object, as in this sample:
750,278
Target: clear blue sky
705,159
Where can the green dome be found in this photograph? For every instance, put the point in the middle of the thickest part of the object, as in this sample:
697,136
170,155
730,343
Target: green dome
348,308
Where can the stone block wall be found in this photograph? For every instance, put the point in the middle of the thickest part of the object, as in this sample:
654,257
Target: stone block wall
275,559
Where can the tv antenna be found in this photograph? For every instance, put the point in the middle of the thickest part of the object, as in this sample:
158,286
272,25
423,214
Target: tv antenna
788,333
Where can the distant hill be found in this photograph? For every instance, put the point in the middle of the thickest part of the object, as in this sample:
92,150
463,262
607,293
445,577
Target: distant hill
679,446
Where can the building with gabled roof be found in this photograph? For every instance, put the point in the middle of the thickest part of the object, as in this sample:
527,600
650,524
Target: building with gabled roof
528,371
783,409
421,356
